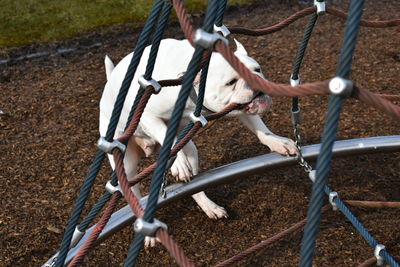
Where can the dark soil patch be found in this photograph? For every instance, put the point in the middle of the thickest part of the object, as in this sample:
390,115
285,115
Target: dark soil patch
50,125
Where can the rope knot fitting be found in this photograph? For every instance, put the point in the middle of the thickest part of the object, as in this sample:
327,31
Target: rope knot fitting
332,196
321,8
76,237
222,29
207,40
200,118
113,188
295,82
379,258
108,147
341,86
144,83
148,229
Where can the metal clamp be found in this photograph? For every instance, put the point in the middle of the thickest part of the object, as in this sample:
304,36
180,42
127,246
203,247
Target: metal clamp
341,86
112,189
312,175
379,258
294,82
332,196
108,147
296,116
207,40
321,8
200,118
148,229
222,29
146,83
76,237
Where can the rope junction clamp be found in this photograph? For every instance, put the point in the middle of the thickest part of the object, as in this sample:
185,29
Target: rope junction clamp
148,229
108,147
222,29
76,237
200,118
312,175
341,86
321,8
112,189
379,258
207,40
146,83
332,196
294,82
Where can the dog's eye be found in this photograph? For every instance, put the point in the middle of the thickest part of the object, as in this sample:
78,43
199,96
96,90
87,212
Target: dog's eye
257,70
232,82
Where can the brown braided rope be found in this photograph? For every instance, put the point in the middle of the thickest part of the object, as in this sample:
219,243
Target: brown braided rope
196,127
267,242
123,182
371,261
133,202
389,97
176,251
366,23
83,251
373,204
184,20
137,115
276,27
305,12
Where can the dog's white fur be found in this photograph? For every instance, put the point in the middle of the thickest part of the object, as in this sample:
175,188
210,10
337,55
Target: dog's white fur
224,86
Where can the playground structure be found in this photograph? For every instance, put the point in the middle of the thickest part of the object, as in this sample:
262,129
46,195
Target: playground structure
271,89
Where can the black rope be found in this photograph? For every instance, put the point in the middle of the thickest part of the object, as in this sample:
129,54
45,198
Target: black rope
329,135
300,55
173,125
95,167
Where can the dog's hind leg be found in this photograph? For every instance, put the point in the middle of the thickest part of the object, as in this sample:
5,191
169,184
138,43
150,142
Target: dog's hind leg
207,205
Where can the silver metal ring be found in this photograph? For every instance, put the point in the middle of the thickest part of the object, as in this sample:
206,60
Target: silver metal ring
207,40
146,83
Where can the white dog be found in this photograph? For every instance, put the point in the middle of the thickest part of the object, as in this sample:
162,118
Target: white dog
224,86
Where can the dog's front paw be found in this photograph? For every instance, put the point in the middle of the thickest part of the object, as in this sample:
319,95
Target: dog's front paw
215,212
281,145
181,169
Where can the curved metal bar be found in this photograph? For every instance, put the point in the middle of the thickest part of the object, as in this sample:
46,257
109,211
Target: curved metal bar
233,171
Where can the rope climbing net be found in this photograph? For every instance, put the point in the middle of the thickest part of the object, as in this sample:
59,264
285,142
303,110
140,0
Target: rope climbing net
205,40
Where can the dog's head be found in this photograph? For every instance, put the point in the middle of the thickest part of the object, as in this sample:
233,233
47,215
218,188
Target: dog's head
224,85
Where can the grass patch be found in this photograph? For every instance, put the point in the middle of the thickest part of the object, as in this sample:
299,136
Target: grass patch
37,21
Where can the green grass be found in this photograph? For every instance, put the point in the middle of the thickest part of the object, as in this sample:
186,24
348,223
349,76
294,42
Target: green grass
36,21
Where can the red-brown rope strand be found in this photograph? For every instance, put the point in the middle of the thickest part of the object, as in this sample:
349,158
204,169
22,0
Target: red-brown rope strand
147,171
266,243
187,27
366,23
376,101
276,27
83,251
371,261
389,97
373,204
137,115
123,182
173,249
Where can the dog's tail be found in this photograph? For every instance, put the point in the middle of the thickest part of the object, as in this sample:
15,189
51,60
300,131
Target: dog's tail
109,65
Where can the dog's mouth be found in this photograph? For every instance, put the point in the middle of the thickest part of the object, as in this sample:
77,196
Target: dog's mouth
261,103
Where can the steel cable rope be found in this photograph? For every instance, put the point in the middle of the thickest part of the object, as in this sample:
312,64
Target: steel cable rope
173,125
95,167
132,127
371,261
78,259
329,135
361,229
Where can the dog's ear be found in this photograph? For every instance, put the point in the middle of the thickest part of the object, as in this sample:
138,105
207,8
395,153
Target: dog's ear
240,48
